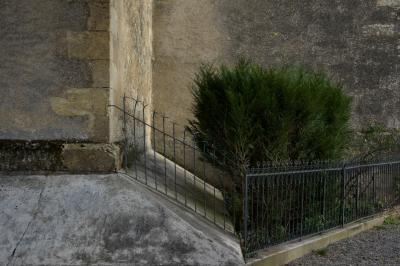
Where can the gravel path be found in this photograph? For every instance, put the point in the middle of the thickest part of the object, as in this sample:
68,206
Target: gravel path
379,246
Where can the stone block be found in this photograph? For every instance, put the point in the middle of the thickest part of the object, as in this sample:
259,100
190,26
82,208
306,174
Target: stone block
88,45
91,103
99,18
86,158
100,70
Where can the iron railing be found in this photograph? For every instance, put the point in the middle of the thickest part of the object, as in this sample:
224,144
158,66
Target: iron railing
280,202
163,155
284,203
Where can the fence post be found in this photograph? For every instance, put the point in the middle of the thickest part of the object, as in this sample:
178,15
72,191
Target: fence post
144,142
303,180
245,211
373,187
125,133
343,194
357,196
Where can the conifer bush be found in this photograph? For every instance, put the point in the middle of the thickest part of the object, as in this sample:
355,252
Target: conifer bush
250,114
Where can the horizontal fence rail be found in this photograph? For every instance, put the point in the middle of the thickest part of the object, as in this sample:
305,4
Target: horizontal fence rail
164,156
287,203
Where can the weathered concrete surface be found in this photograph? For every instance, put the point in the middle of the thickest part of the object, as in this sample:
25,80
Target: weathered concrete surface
196,192
356,42
102,220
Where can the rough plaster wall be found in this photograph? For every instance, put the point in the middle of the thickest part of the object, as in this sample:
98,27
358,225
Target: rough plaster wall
185,35
356,42
131,54
54,69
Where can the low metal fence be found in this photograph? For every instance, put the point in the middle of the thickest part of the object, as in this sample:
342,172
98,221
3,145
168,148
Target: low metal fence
164,156
284,203
280,202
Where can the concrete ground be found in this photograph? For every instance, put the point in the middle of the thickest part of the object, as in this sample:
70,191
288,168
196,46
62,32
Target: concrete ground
169,178
103,220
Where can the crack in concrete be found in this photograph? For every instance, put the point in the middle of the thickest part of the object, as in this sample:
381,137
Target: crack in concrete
11,258
100,235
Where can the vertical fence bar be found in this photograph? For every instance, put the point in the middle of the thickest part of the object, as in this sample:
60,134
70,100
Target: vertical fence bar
290,192
125,133
144,143
397,180
224,163
302,204
257,207
165,155
358,193
184,164
153,122
174,156
134,138
245,212
204,180
194,177
324,199
343,198
373,187
215,201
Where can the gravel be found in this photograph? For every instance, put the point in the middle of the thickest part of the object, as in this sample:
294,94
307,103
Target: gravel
378,246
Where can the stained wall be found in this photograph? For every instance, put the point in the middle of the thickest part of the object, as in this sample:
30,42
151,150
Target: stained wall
356,42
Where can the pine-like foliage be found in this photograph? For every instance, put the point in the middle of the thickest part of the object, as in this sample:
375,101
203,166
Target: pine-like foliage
251,114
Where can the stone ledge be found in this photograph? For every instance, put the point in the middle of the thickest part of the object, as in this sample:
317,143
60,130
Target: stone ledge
101,158
58,156
390,3
287,252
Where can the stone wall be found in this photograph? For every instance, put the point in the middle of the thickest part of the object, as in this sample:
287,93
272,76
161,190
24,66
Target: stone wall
54,60
65,65
131,55
356,42
54,79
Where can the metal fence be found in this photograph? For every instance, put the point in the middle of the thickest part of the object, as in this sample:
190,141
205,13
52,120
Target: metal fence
288,202
163,155
280,202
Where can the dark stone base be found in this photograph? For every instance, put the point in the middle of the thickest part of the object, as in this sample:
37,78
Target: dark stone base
58,156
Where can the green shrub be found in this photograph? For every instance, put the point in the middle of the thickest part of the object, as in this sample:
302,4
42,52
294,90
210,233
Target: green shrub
251,114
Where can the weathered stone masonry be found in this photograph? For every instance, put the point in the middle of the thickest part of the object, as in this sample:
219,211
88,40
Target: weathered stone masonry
54,80
58,84
64,63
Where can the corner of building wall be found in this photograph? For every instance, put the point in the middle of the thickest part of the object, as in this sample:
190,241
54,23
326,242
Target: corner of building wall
130,59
